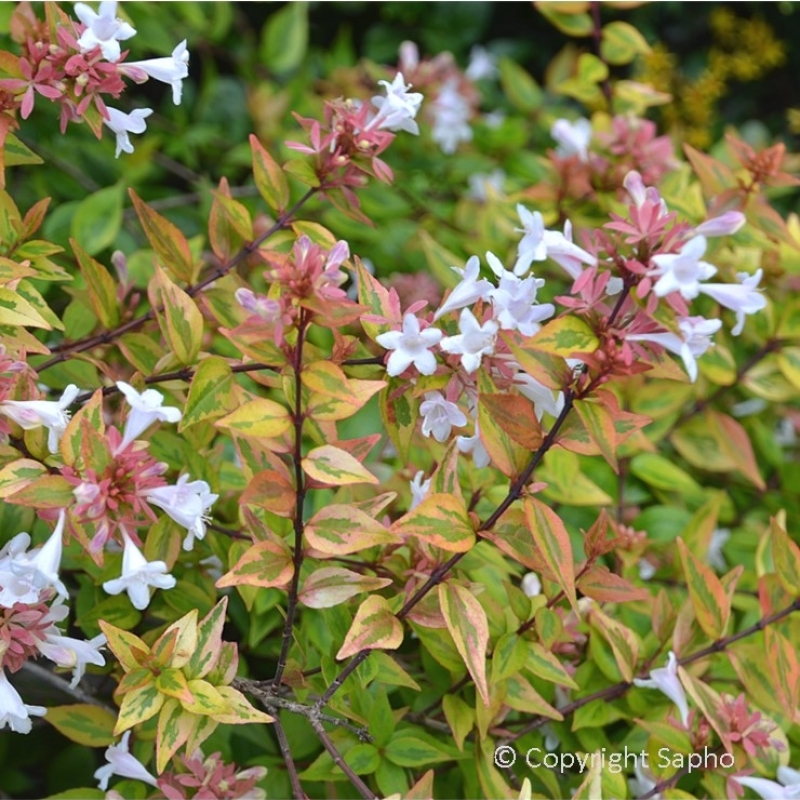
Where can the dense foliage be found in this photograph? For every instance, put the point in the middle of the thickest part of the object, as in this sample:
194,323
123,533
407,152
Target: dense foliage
392,418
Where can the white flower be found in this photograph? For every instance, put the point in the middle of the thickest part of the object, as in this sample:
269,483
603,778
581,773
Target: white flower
469,289
439,416
122,124
13,712
723,225
641,194
138,575
474,341
419,489
714,556
541,397
787,789
481,184
187,503
412,346
75,653
52,414
537,244
514,300
122,763
646,569
396,111
682,271
695,339
482,64
643,783
743,298
451,113
666,680
146,408
169,69
258,304
105,29
573,137
473,444
531,584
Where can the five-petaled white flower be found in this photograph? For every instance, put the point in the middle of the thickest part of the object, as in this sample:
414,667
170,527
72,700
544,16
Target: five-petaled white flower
122,124
666,680
138,575
693,341
13,712
743,298
788,787
482,64
52,414
419,488
514,300
412,346
573,137
168,69
76,653
121,762
451,113
397,110
103,29
469,289
439,416
474,341
146,408
187,503
682,271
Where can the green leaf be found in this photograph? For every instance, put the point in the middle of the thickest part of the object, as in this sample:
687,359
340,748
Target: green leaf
259,418
210,394
621,43
709,599
415,748
178,317
285,38
519,86
88,725
97,220
566,337
460,717
100,285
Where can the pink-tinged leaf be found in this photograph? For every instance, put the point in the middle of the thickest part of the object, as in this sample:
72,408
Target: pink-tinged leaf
170,245
270,180
513,537
128,648
607,587
273,491
709,598
100,286
737,443
710,704
137,706
383,304
440,520
331,586
552,540
87,725
550,370
174,727
239,709
18,474
422,789
48,491
260,418
783,663
623,641
715,177
565,337
209,642
466,621
135,679
600,426
521,696
163,649
333,466
516,416
172,682
785,557
178,317
375,627
265,564
339,530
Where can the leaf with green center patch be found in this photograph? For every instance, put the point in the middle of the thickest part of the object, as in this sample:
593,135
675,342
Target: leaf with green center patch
209,641
339,530
137,706
375,627
172,682
331,586
265,564
87,725
174,728
210,394
206,700
333,466
440,520
126,646
239,709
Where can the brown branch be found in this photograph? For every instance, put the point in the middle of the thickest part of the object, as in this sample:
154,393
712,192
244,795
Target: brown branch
286,752
338,759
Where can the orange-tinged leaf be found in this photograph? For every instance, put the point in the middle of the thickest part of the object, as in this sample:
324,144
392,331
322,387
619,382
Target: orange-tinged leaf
516,416
715,177
209,641
172,682
339,530
607,587
169,243
623,641
137,706
552,540
783,663
239,709
785,557
163,648
331,586
18,474
47,491
333,466
734,438
710,704
270,180
550,370
375,627
273,491
260,418
100,286
440,520
709,599
466,621
124,645
178,317
87,725
265,564
600,426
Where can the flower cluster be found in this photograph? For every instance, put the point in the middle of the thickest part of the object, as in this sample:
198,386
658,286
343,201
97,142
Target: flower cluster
79,64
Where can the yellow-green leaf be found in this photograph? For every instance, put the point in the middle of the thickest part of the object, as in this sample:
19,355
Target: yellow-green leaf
785,557
265,564
375,627
621,43
172,682
178,317
565,337
440,520
16,310
18,474
137,706
260,418
206,700
209,641
210,394
87,725
709,599
239,709
336,467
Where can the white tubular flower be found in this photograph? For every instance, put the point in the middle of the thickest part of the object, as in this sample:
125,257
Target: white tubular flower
451,113
743,298
123,764
770,790
439,416
714,556
473,444
643,783
169,69
666,680
76,653
146,408
481,184
531,584
187,503
646,569
573,137
13,712
122,124
537,244
514,300
482,64
419,488
104,30
412,346
52,414
723,225
682,271
541,397
695,339
474,341
468,291
396,111
138,575
640,194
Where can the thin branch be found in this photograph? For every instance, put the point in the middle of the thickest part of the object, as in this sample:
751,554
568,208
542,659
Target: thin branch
286,752
338,759
44,675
